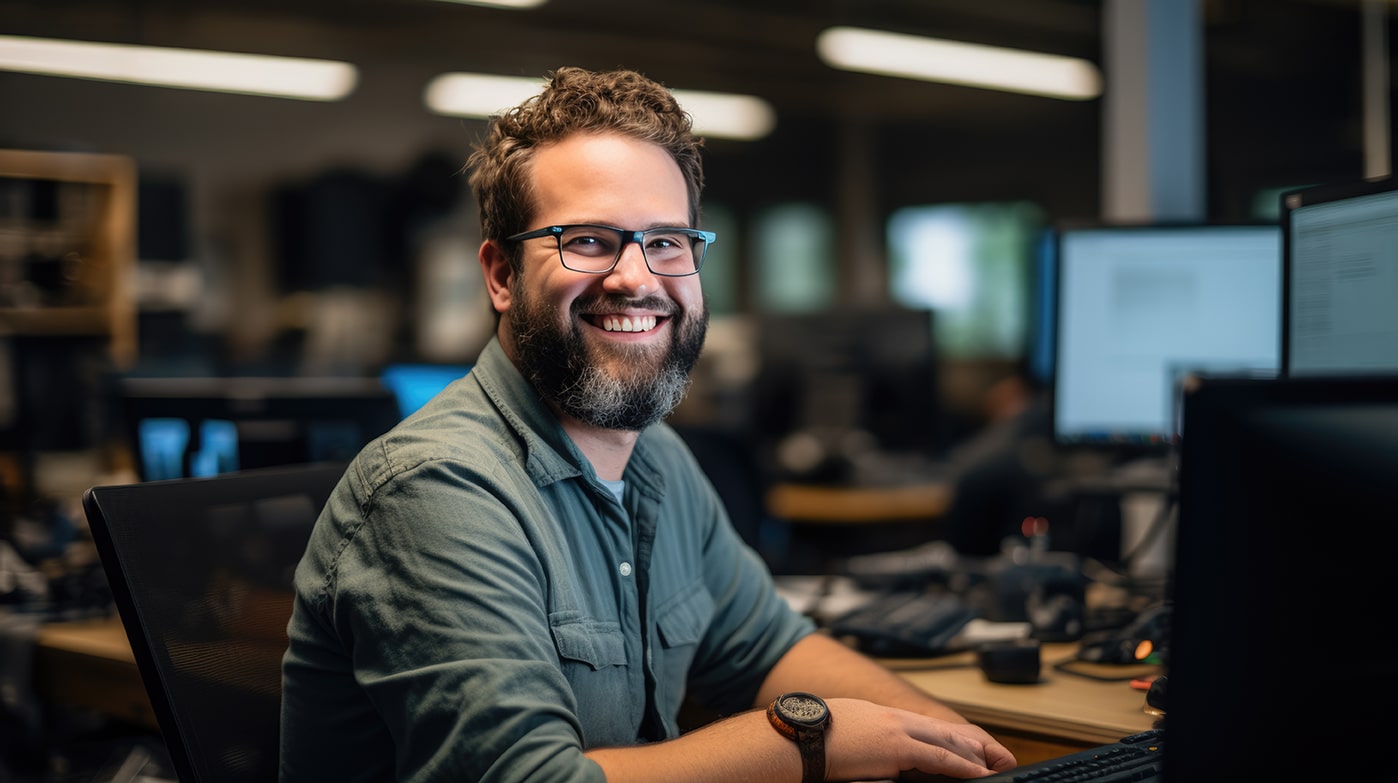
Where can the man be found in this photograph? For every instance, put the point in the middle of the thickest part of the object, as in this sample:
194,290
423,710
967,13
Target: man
525,579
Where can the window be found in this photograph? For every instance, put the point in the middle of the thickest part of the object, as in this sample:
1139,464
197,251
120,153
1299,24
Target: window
971,264
794,259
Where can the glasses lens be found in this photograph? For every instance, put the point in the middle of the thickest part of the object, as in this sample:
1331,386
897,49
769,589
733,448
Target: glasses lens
673,251
668,251
589,248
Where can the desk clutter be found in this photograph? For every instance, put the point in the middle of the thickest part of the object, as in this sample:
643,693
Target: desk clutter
46,581
931,601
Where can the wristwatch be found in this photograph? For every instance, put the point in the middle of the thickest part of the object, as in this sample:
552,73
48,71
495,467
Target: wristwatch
804,719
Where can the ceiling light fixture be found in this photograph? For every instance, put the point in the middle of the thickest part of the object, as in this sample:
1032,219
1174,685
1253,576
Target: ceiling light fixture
519,4
953,62
247,74
715,114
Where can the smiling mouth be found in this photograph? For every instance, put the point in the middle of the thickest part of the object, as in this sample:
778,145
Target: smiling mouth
626,323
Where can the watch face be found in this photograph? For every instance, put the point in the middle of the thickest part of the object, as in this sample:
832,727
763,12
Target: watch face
802,709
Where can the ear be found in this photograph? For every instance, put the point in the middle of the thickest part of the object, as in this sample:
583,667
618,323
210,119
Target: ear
498,274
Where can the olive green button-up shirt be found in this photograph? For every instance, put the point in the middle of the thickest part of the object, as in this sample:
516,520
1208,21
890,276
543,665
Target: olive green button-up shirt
475,604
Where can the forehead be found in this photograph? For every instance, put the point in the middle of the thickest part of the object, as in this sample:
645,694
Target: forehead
608,178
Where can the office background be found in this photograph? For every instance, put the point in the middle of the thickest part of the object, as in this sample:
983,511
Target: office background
289,237
884,237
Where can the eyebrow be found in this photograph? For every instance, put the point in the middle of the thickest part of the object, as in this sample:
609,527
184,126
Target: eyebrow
662,224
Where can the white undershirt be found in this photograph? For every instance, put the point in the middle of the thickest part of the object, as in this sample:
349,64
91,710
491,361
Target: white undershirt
617,487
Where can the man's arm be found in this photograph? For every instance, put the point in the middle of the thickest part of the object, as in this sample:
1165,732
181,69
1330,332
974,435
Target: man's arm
821,665
880,726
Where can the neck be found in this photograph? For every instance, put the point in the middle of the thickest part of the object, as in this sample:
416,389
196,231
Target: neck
607,450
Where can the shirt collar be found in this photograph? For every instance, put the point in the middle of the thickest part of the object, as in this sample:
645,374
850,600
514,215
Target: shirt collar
550,454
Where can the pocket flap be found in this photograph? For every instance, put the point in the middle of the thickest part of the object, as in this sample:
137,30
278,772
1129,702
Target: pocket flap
597,644
685,618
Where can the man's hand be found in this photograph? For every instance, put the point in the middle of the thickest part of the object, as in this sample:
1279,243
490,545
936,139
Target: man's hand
869,740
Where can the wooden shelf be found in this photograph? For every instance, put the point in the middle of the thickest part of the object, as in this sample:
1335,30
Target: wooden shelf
101,295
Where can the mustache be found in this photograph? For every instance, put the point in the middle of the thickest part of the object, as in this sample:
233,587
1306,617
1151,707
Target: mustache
611,303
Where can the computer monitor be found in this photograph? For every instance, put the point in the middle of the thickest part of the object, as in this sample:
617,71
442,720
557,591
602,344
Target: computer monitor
1282,581
1340,279
416,383
180,427
1043,315
1140,307
853,370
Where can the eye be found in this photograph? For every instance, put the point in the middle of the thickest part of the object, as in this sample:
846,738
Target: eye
588,241
668,240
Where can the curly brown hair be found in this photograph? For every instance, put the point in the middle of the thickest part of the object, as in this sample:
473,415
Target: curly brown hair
576,100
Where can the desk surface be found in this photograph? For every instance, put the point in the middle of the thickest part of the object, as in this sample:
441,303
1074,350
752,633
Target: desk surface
100,638
820,504
89,663
1064,707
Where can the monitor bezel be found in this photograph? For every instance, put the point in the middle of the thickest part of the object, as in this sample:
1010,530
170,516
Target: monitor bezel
1279,548
1125,447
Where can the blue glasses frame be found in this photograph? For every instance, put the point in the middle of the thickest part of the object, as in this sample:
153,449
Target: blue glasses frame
624,236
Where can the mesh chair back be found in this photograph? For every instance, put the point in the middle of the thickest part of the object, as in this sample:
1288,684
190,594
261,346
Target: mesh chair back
201,573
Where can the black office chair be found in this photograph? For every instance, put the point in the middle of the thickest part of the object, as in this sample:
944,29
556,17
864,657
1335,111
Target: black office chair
201,571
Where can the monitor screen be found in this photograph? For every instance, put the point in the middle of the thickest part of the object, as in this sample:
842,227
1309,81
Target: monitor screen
1282,562
1140,307
181,427
415,384
1341,279
865,370
1043,318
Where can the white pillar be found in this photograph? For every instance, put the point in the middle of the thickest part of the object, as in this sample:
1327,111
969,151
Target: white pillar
1153,107
1377,154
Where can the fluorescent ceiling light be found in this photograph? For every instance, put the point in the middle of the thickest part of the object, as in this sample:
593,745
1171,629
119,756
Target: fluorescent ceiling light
249,74
715,114
477,94
722,114
500,3
931,59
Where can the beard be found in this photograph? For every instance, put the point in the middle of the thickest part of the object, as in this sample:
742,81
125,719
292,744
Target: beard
644,383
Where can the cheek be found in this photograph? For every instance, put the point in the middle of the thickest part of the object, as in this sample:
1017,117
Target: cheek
552,285
688,292
555,294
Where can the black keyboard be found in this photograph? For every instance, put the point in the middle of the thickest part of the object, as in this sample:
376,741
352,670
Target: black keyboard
1134,759
906,624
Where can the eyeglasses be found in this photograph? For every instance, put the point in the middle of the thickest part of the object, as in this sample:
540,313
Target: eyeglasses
594,249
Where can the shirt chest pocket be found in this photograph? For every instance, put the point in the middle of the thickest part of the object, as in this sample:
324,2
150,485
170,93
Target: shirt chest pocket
592,657
681,623
595,643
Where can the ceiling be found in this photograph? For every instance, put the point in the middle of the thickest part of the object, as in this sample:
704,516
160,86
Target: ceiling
1270,63
761,47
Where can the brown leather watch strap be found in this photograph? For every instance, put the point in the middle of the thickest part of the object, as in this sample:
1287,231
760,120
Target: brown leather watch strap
807,731
783,728
812,745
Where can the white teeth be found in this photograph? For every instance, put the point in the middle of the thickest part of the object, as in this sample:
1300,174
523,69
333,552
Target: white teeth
640,323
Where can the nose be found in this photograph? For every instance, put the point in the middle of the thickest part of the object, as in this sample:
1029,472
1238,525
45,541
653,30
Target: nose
631,276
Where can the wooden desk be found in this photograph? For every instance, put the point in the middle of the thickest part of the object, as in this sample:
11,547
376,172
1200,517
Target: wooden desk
815,503
88,663
828,523
1060,714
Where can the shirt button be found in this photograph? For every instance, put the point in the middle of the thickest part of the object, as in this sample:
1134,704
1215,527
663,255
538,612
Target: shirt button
625,569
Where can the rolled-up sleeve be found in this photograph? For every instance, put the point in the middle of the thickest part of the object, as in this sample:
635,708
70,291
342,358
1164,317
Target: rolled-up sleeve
438,599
